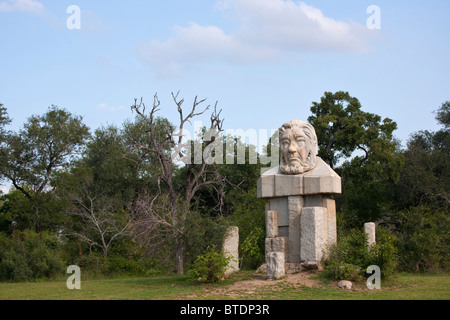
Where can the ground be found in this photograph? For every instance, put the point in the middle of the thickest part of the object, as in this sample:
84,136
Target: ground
243,285
259,283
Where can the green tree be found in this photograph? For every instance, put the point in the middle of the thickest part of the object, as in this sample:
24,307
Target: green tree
99,219
99,189
28,255
421,220
46,145
426,175
4,120
423,238
107,154
362,149
240,174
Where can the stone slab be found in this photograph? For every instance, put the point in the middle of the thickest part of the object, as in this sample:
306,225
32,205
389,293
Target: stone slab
280,205
275,265
231,249
271,224
314,234
370,230
295,205
278,244
321,180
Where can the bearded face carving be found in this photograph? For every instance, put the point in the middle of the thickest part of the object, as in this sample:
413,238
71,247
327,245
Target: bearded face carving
299,148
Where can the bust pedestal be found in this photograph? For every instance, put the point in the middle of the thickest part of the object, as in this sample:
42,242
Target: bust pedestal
301,214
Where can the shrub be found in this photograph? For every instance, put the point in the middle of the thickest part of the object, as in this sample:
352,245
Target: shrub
343,271
250,246
384,253
28,255
210,266
350,257
423,238
249,217
93,264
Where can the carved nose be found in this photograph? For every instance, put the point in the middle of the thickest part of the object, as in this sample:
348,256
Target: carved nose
292,148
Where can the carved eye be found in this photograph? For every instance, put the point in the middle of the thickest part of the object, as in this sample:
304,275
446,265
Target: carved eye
301,142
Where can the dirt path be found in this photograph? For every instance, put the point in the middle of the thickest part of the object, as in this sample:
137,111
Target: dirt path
259,284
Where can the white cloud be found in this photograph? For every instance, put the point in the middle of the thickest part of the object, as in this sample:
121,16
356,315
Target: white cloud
197,43
268,30
21,5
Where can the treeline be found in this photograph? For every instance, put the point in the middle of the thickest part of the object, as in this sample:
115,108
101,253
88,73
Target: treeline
119,200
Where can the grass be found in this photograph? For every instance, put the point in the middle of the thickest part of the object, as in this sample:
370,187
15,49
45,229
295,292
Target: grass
176,287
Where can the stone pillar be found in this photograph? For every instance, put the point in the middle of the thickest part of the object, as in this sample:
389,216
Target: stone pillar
370,230
271,224
295,205
275,265
231,249
275,246
314,234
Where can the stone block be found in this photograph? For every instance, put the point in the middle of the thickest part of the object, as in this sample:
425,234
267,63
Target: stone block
288,185
312,185
314,233
330,184
280,205
271,224
321,180
275,265
283,231
330,206
231,249
295,205
276,244
370,230
266,186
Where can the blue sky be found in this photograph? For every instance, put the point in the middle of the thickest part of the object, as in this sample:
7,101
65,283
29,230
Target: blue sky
265,61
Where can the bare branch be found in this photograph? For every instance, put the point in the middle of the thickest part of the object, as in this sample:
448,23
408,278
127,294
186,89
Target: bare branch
161,218
216,122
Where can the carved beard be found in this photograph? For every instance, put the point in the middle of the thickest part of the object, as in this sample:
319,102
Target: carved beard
297,169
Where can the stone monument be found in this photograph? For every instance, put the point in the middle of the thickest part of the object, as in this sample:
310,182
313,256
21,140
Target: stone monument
230,247
370,231
301,213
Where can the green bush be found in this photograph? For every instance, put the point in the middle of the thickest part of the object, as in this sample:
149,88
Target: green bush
28,255
250,248
210,266
93,264
350,257
343,271
125,266
423,238
384,253
201,231
249,217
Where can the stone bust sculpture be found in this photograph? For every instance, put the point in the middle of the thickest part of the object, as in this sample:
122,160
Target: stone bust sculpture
299,148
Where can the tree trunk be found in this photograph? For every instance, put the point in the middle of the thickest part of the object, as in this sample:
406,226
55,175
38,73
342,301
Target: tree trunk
179,255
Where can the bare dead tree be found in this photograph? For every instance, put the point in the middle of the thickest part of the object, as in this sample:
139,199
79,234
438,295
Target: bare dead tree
102,223
167,210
